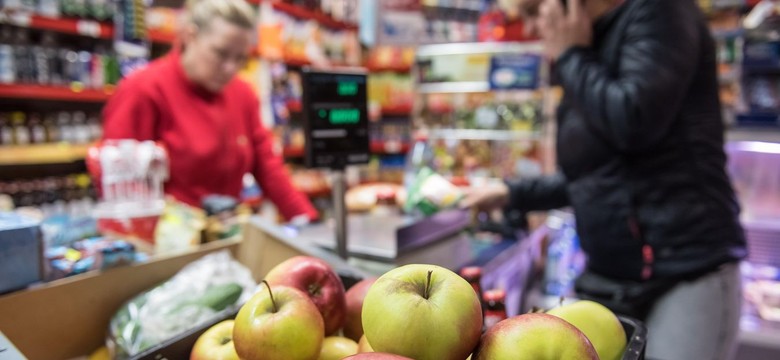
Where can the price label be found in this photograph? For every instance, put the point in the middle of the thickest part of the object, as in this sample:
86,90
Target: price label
88,28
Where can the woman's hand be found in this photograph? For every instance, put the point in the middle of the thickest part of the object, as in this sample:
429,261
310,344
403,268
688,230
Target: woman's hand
486,198
561,29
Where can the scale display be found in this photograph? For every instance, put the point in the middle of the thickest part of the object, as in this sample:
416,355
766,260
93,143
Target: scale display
335,107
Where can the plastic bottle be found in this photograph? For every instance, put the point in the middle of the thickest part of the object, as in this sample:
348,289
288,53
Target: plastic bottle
7,58
23,59
37,130
563,263
21,131
420,156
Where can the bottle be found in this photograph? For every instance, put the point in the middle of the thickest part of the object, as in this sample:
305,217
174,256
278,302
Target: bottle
95,128
21,131
7,57
420,156
473,274
52,131
495,308
81,130
6,130
65,128
23,60
563,264
37,130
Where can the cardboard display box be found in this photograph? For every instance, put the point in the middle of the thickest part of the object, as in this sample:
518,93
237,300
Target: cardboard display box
69,318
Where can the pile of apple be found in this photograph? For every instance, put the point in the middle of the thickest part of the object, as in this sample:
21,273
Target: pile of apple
420,312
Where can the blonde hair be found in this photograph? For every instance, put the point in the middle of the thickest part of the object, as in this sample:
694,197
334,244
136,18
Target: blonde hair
236,12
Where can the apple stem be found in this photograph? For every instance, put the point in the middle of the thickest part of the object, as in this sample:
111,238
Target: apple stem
428,285
560,301
270,293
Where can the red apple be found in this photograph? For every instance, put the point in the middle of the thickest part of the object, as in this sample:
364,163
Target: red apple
353,327
377,356
535,337
316,278
278,323
216,343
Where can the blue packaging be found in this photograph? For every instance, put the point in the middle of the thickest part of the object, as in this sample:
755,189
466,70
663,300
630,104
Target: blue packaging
20,251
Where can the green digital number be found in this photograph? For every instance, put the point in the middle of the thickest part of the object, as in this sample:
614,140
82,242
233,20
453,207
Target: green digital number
347,89
344,116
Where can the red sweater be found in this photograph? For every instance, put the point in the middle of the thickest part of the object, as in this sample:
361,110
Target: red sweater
212,139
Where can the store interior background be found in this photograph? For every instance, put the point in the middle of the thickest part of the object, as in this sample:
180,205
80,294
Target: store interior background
48,123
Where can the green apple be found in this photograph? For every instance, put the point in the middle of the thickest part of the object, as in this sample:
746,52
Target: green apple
424,312
364,346
216,343
337,348
599,324
377,356
279,323
535,337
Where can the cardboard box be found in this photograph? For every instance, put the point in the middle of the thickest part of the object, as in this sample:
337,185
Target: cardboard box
20,252
69,318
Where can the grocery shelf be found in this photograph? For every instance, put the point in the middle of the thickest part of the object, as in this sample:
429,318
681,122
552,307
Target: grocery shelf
476,134
54,93
454,87
306,14
397,111
401,69
73,26
389,147
58,153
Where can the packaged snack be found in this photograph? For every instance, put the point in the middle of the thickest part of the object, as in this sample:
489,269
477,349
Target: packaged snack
431,193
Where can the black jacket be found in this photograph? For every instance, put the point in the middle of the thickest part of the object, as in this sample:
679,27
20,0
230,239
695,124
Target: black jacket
640,147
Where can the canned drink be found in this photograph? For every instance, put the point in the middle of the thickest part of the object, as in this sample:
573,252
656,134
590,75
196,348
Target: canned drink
70,66
85,68
7,68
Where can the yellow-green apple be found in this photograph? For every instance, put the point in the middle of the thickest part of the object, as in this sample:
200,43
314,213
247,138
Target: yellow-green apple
316,278
353,327
337,348
534,337
377,356
216,343
278,323
364,346
424,312
599,324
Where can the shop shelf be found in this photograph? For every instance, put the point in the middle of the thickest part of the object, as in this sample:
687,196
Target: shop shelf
454,87
397,111
59,153
477,134
306,14
54,93
389,147
400,68
74,26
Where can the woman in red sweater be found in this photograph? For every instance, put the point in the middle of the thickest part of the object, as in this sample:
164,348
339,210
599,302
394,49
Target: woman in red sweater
191,101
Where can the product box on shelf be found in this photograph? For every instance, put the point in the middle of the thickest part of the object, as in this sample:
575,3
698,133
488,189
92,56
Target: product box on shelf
20,252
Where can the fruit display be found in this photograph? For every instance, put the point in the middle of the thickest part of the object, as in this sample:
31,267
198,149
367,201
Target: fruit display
599,324
416,311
